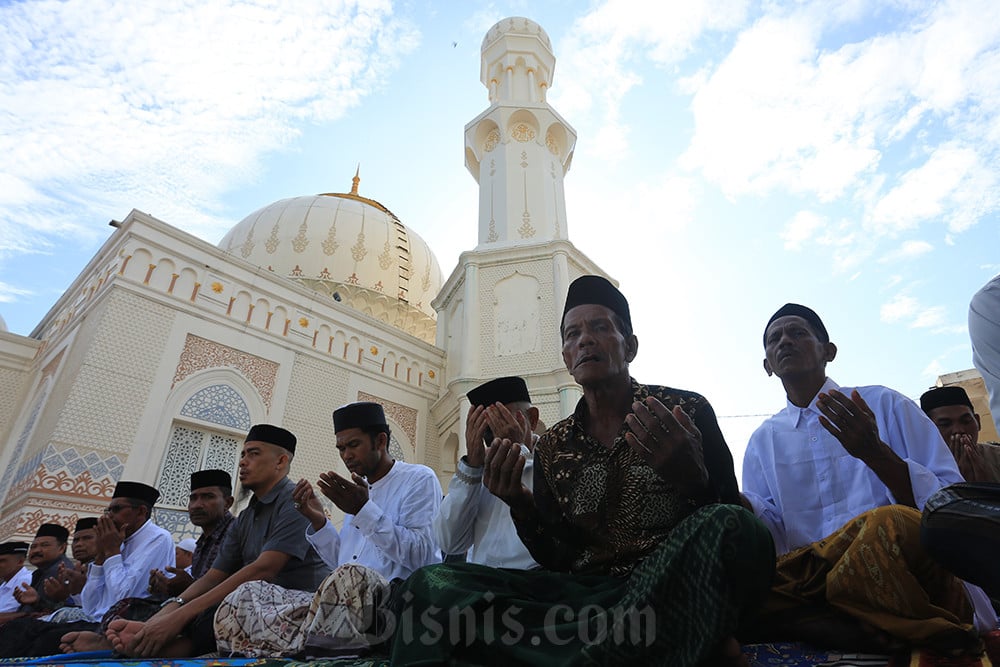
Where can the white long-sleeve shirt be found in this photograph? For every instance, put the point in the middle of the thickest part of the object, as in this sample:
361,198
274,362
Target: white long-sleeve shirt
127,574
392,532
472,517
7,588
804,485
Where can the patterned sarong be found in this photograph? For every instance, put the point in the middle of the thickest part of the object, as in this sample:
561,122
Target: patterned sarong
875,571
260,619
674,609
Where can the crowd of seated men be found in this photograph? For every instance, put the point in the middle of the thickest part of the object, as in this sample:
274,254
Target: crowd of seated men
618,534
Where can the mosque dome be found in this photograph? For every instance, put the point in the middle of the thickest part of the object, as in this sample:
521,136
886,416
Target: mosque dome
515,25
349,247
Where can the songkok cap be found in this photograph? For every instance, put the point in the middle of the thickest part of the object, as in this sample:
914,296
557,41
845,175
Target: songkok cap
53,530
137,490
503,390
806,313
358,415
597,290
187,544
85,523
204,478
19,548
942,396
273,435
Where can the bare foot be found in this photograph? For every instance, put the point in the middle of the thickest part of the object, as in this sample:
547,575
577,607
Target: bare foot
121,633
78,642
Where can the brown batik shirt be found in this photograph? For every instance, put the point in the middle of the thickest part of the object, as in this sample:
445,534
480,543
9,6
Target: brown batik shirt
208,545
601,510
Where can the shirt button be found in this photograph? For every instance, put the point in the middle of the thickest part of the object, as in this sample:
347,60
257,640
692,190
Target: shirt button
355,557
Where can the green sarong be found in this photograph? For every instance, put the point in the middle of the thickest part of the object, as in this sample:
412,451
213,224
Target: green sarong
676,606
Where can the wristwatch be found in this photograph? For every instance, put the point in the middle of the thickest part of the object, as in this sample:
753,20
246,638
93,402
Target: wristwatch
178,599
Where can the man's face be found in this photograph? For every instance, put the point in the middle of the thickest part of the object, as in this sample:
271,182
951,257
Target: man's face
593,348
10,564
207,506
360,452
127,515
85,545
956,420
259,465
45,550
791,347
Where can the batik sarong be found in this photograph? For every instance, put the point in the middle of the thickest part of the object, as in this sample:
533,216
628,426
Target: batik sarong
875,571
260,619
674,609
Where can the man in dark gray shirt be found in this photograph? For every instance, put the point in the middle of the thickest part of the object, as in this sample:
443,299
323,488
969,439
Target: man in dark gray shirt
267,543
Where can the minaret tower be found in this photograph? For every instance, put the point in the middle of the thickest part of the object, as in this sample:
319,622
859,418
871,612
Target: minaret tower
498,313
519,149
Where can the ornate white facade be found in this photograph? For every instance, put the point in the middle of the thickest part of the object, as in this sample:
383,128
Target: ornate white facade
165,349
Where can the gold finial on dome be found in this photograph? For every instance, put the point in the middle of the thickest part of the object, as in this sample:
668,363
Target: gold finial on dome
356,180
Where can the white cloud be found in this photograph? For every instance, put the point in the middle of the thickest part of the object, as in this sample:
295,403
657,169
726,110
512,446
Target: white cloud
908,250
109,105
899,308
9,293
789,109
801,228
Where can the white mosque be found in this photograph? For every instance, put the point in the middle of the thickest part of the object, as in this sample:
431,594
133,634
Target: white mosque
166,349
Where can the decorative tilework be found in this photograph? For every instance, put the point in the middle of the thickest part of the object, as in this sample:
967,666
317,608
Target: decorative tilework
22,440
405,416
200,353
183,457
91,476
219,404
176,522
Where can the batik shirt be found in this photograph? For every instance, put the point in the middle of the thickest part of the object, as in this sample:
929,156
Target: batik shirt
208,545
601,510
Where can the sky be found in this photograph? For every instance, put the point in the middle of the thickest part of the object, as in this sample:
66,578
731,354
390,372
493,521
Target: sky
731,156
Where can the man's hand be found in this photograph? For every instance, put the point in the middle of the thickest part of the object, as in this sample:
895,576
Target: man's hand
852,422
475,428
668,441
308,504
969,458
348,495
25,594
76,576
159,583
505,425
502,476
55,589
109,539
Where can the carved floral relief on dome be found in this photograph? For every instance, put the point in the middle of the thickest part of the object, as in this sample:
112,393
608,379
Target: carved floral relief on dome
358,250
247,247
271,244
330,244
385,258
300,241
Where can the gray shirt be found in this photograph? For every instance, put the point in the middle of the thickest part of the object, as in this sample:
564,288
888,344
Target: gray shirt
271,523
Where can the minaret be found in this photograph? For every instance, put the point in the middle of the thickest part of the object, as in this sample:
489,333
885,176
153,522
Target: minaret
498,313
519,149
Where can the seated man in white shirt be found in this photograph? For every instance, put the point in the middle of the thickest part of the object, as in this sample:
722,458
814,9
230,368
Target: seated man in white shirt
838,477
470,516
386,535
13,574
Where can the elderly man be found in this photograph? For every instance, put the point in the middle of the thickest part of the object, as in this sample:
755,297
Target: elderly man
837,476
267,542
47,554
386,535
13,574
951,411
470,516
646,566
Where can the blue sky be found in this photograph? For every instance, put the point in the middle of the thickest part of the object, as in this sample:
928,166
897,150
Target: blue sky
731,155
